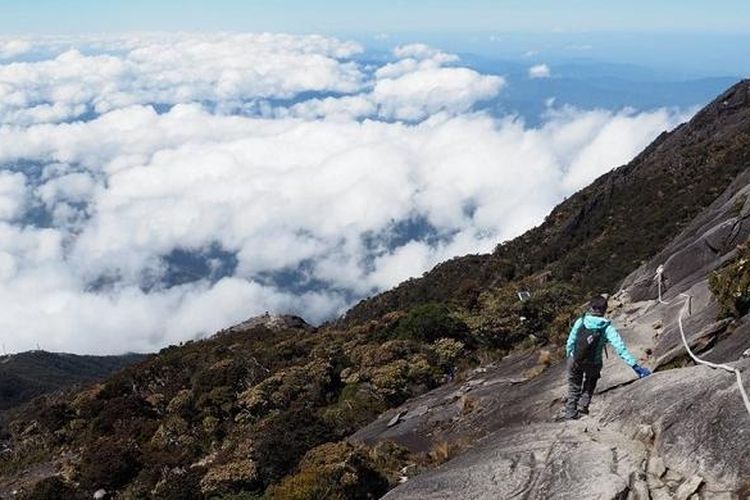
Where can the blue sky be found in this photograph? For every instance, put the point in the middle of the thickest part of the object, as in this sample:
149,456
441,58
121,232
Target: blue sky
199,185
333,16
686,38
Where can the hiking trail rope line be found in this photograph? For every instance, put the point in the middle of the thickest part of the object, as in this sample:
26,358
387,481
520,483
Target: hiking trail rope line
686,307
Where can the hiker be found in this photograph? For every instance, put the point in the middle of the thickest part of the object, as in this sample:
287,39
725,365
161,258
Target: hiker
584,352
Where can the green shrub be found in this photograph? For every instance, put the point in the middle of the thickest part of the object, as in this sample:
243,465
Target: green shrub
54,416
173,432
430,322
109,414
227,372
120,384
308,384
282,439
109,464
379,354
389,459
333,471
218,401
231,477
448,351
545,304
51,488
357,406
242,495
503,321
180,484
349,392
392,381
731,285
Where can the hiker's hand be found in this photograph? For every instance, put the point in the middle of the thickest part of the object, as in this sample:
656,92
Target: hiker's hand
641,371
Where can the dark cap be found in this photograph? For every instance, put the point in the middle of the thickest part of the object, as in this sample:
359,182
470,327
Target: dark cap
598,304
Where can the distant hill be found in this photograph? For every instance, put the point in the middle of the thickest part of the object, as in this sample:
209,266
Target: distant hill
29,374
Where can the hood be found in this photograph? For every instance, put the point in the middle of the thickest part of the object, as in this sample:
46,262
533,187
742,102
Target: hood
595,322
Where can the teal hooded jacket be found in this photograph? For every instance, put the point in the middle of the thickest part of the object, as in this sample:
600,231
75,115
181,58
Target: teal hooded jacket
610,336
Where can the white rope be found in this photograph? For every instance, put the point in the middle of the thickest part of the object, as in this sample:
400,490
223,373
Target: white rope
686,307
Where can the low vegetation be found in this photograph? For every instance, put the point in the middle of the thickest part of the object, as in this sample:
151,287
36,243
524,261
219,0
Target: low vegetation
264,410
731,285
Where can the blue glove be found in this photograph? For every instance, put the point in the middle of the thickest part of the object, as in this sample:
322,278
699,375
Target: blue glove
641,371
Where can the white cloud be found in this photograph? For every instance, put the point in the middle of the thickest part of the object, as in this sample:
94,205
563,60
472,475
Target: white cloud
413,58
347,108
399,265
540,71
416,95
421,51
10,48
12,194
321,188
611,141
412,88
225,69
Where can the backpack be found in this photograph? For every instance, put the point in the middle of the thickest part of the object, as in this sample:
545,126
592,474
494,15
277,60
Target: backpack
587,341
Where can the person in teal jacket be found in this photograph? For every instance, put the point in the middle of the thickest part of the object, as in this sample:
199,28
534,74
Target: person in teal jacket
586,342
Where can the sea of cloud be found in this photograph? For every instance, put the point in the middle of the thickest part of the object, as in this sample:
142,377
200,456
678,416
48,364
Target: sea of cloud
268,172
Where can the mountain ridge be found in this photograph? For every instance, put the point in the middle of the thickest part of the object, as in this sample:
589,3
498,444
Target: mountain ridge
26,375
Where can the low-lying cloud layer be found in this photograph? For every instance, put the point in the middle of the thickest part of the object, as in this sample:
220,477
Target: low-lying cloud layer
155,189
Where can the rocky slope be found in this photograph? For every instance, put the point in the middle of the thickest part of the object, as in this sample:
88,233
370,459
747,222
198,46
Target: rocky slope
683,432
451,364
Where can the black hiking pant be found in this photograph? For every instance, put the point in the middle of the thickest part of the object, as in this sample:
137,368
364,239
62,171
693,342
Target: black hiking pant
582,379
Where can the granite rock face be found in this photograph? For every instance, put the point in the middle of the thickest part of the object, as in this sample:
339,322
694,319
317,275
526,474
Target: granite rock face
659,437
700,426
507,466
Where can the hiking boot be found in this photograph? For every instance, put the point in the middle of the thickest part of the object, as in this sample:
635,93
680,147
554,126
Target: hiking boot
583,410
563,415
572,416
